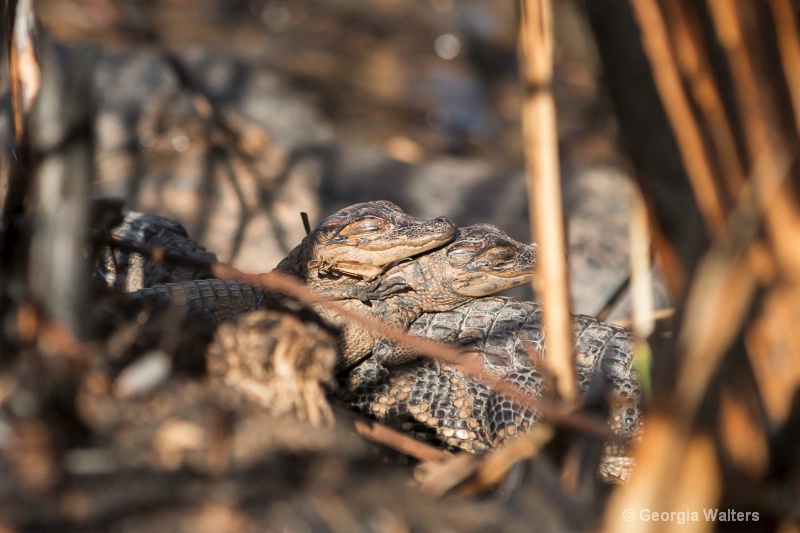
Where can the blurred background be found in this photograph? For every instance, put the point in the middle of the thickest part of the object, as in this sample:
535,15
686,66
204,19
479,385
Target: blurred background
320,104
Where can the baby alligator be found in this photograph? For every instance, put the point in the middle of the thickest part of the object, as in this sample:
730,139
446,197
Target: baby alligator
339,259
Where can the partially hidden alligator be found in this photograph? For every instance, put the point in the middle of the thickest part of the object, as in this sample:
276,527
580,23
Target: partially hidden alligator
440,403
130,271
342,258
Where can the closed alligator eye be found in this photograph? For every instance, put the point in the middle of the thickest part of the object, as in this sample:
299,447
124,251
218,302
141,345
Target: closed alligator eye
499,255
359,227
460,256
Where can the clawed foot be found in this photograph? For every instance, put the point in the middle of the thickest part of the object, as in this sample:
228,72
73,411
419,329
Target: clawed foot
381,288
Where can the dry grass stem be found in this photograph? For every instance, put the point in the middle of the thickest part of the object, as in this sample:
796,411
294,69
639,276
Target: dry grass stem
398,441
788,48
24,70
496,465
641,271
685,128
694,486
692,56
440,477
657,315
544,189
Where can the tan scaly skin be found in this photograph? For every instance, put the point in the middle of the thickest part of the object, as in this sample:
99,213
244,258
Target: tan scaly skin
357,243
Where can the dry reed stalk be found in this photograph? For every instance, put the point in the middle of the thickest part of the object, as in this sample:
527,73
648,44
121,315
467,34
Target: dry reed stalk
24,82
25,78
766,148
655,40
643,319
783,17
772,152
691,54
774,354
544,190
692,477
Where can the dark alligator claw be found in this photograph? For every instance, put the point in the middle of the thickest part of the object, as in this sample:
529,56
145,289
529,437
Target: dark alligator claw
382,288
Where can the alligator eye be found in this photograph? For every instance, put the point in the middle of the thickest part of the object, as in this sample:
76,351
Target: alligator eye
460,256
499,255
365,226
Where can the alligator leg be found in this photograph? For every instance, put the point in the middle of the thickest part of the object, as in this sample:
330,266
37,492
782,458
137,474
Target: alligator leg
378,289
507,417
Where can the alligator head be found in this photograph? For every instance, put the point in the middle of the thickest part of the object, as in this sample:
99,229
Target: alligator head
484,260
360,240
481,260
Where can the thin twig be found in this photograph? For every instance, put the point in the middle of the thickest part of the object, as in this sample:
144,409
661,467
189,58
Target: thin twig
658,314
613,301
306,223
439,477
495,466
398,441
